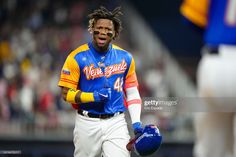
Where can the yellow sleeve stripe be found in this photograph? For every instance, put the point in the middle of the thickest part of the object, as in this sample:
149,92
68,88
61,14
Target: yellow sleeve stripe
196,14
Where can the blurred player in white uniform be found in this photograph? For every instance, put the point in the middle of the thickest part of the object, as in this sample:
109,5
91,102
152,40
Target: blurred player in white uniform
215,129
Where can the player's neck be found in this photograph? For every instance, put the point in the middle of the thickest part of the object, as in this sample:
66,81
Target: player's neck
100,49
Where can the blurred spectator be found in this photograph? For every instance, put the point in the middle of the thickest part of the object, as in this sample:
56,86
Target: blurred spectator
155,81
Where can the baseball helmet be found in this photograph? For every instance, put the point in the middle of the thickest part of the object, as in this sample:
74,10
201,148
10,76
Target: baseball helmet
149,141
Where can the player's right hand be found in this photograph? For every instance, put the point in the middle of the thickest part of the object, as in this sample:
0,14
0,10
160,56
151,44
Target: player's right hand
102,95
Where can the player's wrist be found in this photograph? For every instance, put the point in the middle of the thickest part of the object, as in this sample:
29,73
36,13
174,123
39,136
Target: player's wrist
87,97
71,95
138,130
137,127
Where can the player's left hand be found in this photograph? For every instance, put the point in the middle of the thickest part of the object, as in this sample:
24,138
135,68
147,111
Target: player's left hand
147,143
102,95
138,130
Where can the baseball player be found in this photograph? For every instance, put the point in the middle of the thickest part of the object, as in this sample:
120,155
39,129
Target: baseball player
215,132
99,80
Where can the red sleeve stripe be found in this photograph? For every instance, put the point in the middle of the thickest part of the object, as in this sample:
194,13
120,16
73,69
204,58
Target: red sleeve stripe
134,101
68,81
131,85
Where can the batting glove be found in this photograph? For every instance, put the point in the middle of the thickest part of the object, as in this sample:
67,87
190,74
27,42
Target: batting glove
138,130
102,95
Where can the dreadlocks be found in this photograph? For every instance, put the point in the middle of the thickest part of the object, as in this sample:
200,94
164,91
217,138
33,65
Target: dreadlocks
103,13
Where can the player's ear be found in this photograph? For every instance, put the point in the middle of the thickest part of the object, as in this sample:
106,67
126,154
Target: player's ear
90,30
114,36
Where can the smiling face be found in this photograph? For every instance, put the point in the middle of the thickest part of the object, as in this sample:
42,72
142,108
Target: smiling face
103,33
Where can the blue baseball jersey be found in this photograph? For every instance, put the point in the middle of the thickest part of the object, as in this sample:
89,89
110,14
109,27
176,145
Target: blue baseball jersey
218,17
87,70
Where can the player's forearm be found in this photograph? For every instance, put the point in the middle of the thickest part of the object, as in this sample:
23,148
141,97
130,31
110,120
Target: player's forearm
134,105
76,96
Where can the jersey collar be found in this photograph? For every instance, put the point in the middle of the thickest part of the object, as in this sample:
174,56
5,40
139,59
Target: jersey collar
99,54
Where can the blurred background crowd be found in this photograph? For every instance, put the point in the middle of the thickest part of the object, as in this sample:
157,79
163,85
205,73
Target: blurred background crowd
35,38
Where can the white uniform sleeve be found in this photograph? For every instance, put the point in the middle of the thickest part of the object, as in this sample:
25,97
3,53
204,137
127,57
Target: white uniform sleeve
134,103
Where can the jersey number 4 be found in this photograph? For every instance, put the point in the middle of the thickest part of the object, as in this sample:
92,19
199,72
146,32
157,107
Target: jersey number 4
118,85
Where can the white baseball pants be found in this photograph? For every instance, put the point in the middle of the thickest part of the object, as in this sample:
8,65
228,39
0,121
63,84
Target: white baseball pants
216,131
94,137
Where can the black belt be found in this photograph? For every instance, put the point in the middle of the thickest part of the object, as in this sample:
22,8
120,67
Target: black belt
213,50
93,115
